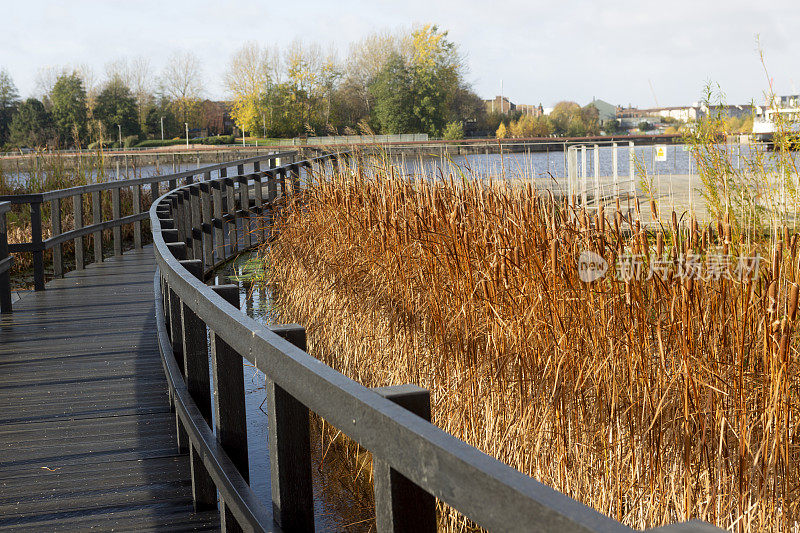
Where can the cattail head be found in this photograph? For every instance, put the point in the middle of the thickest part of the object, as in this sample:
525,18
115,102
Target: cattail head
794,291
777,259
772,297
660,244
601,219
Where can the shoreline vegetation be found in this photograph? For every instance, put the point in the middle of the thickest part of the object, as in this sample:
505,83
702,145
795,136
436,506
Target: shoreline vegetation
660,391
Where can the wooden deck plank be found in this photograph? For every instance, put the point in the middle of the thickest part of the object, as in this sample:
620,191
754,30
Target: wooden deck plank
87,439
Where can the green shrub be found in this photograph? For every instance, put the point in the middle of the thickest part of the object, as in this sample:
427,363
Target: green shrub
97,145
454,131
152,143
219,139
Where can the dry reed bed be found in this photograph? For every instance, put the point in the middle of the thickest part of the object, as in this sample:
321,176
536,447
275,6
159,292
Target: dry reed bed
653,400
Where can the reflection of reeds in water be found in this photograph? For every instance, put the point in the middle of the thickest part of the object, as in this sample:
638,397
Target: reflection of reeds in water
342,472
343,478
652,400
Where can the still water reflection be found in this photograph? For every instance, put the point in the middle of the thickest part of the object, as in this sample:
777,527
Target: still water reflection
340,503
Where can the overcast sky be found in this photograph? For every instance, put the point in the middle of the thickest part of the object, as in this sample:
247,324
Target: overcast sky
542,51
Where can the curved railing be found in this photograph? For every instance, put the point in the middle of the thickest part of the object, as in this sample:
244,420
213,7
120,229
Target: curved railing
414,461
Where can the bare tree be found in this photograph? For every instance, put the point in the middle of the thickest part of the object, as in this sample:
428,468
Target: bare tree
368,56
251,70
181,81
136,74
46,78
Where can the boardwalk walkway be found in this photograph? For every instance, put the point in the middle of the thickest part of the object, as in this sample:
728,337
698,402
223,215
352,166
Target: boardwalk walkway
87,439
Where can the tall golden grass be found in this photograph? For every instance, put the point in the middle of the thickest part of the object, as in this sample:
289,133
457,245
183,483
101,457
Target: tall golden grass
653,400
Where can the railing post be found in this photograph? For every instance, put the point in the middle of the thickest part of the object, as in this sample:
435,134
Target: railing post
206,222
195,222
259,199
244,204
38,246
400,505
282,179
272,187
137,208
178,250
183,218
5,277
218,221
290,449
77,211
116,214
174,306
155,187
195,360
55,223
229,407
233,239
97,215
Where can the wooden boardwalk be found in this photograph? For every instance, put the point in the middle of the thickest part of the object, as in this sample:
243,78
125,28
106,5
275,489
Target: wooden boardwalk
87,439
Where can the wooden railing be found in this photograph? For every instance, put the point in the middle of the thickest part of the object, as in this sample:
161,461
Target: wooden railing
81,233
5,260
415,463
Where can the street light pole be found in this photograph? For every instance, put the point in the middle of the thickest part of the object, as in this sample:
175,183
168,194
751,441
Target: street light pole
187,133
120,135
162,128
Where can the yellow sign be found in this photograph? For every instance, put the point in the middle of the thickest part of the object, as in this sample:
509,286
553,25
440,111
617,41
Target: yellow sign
661,152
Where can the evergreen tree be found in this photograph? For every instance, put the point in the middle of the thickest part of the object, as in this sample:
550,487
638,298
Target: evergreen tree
9,100
32,125
68,99
116,106
392,92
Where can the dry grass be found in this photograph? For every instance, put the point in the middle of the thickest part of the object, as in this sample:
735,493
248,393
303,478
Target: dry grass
654,400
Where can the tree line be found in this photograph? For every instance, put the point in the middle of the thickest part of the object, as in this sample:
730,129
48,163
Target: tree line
412,81
131,104
567,119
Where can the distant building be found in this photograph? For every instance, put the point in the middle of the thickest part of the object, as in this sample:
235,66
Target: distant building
217,118
605,110
499,104
732,111
764,122
530,109
792,100
684,114
627,112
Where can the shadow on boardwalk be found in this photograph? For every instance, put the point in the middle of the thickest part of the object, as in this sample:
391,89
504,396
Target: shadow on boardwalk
87,438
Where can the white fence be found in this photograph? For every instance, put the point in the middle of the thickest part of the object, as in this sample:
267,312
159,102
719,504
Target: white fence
578,174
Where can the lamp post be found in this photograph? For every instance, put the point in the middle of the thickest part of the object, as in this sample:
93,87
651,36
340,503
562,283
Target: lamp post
162,128
120,135
187,134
